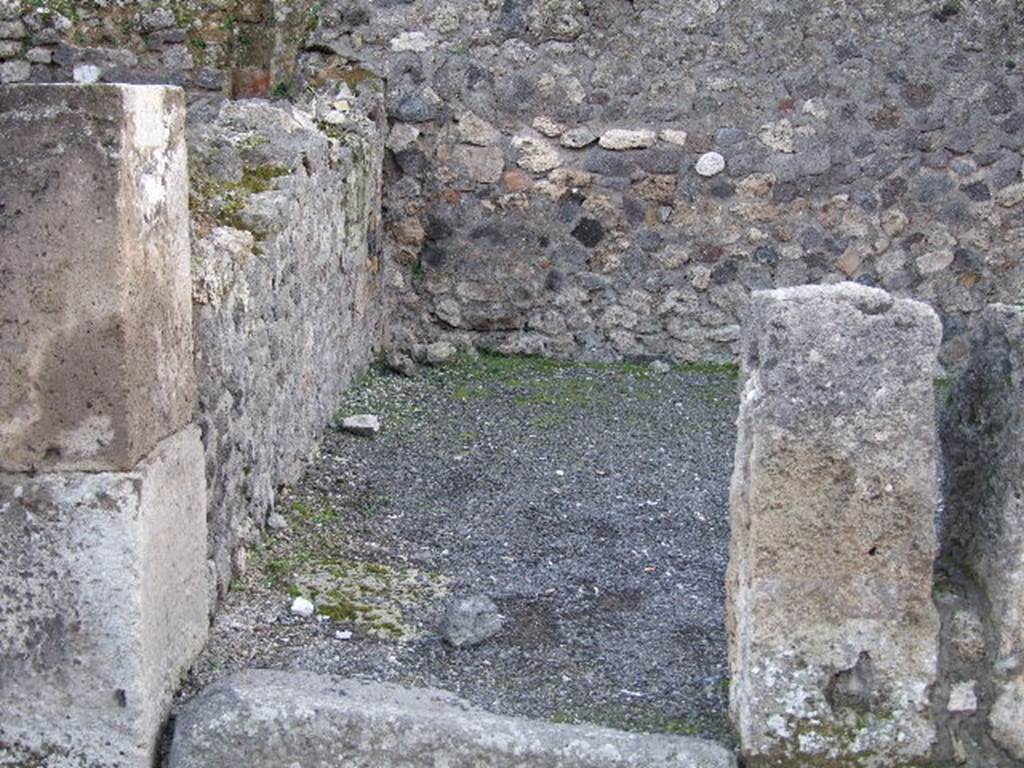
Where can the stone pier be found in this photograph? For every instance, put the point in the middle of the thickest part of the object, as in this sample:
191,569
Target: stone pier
833,632
985,454
102,494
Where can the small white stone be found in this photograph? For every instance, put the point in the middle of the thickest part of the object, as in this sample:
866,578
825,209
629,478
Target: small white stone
302,607
342,635
621,138
417,42
660,366
535,154
673,137
548,127
710,163
361,424
934,261
816,108
276,522
777,136
86,73
962,698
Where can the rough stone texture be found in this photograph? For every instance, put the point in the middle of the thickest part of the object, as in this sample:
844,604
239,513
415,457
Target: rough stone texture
984,446
105,605
95,331
833,633
266,719
287,293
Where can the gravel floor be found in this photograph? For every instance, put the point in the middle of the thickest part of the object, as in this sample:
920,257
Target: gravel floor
590,502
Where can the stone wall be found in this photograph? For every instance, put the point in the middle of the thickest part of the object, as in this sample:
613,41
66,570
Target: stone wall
611,178
285,201
287,295
233,47
606,178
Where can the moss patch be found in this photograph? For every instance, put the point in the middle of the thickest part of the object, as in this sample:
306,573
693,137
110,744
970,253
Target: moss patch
369,596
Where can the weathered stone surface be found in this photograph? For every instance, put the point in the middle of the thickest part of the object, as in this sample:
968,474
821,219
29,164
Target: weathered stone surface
288,289
105,604
984,444
833,633
266,719
95,322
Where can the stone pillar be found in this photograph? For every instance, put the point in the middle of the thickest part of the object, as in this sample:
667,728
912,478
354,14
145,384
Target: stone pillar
833,633
985,453
103,595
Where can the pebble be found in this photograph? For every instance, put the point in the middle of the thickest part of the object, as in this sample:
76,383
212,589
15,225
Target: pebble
673,136
710,164
401,363
302,607
342,635
620,138
962,698
361,424
276,522
470,621
660,366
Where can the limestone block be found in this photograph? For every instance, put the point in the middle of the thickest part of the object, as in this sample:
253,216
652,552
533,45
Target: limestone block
104,606
268,719
833,633
95,316
984,443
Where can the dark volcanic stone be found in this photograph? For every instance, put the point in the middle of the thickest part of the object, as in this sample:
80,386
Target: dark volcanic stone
590,232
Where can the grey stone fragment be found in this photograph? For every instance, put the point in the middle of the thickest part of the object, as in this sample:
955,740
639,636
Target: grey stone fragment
104,579
577,138
276,522
269,719
364,424
440,352
97,368
470,620
834,491
399,362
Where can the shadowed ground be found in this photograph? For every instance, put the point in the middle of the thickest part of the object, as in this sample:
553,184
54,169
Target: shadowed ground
590,502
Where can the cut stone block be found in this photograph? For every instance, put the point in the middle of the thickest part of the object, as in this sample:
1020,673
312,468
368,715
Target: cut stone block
103,578
95,313
833,633
984,442
269,719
